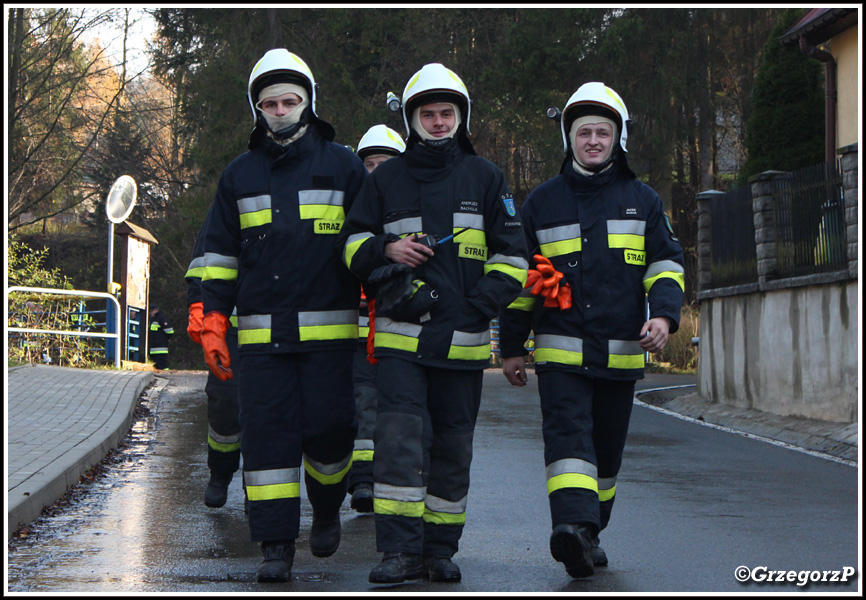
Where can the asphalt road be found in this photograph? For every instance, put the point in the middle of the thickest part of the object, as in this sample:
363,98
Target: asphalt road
694,503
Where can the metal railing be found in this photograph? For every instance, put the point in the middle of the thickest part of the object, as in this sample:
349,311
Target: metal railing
810,221
732,241
80,294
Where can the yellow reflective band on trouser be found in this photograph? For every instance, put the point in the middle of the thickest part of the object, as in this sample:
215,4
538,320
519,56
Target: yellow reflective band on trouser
625,354
273,484
159,350
363,451
571,473
606,488
327,325
513,266
559,349
664,269
439,511
328,474
401,501
396,335
217,266
254,329
469,346
354,242
223,443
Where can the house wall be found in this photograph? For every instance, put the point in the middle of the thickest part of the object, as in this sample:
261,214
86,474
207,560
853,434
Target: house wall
845,51
789,352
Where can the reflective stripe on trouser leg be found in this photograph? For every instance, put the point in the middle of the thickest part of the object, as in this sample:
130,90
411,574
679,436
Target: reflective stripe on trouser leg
454,399
224,429
364,379
569,454
401,463
329,428
611,415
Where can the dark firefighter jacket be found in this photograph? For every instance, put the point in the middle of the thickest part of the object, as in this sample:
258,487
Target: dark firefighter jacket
195,271
480,271
160,332
269,246
610,237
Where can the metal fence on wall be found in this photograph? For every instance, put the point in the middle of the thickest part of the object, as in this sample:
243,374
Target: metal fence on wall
810,221
732,230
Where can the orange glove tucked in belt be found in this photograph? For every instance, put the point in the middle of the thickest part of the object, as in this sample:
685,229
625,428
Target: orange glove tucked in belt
193,329
545,280
213,341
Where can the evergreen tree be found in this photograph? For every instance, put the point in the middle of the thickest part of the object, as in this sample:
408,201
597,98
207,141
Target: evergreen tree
786,129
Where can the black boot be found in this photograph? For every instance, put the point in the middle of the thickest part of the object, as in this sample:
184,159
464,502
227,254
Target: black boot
571,545
325,535
397,567
599,558
276,565
362,498
216,493
440,568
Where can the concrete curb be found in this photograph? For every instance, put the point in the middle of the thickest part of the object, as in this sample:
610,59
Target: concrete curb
27,499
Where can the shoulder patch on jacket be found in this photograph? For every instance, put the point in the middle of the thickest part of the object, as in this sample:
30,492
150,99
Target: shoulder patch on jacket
508,203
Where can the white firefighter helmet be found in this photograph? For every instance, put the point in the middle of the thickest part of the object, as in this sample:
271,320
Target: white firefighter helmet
275,62
595,93
433,78
380,139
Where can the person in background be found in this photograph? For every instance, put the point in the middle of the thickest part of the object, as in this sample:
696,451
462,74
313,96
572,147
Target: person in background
159,336
376,146
224,429
270,253
434,237
602,246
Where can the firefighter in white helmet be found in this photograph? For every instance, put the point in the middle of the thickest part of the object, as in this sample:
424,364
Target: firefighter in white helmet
435,237
379,144
603,235
269,251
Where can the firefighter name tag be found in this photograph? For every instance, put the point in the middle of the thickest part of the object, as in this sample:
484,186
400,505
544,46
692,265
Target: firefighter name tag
322,226
470,251
635,257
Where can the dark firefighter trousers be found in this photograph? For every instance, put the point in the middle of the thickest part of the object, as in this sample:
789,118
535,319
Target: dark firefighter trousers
295,408
224,429
585,425
364,379
424,428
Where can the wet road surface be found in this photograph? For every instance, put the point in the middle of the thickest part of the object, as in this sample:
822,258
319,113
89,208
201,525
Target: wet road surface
693,504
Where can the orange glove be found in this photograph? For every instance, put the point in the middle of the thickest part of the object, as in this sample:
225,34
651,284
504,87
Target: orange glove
547,281
196,314
213,341
371,333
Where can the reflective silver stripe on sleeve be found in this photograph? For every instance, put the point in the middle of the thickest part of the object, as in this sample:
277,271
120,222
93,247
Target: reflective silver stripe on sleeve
512,261
220,261
662,266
